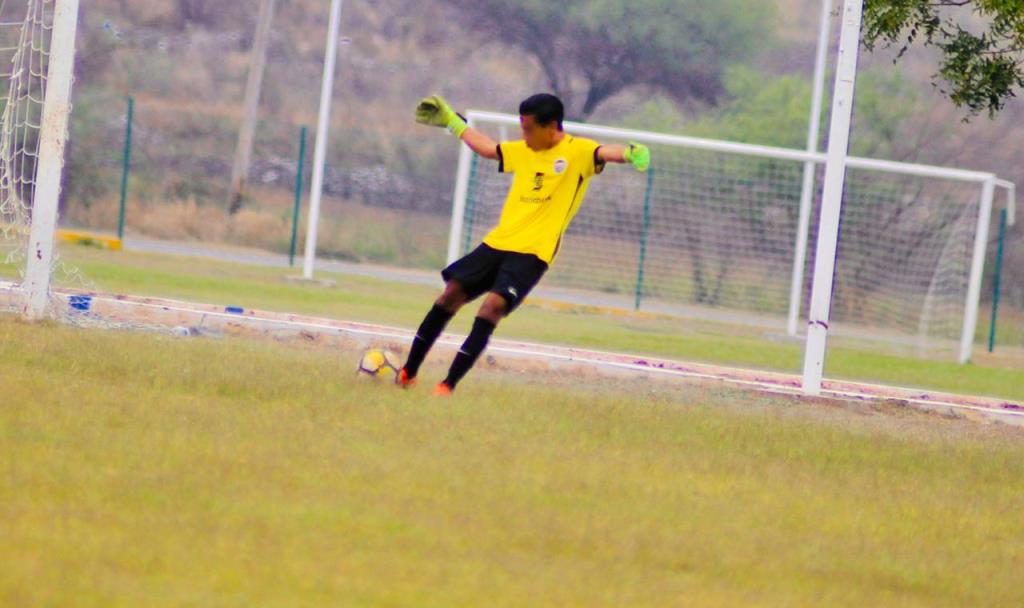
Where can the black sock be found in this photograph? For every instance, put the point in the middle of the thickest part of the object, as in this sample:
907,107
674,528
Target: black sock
471,349
432,326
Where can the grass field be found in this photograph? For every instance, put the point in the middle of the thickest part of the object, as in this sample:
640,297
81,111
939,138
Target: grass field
363,299
138,469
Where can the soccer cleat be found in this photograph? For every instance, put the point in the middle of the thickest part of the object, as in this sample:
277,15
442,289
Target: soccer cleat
403,380
442,390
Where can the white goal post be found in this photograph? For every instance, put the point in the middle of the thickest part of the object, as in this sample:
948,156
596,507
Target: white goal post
911,255
53,133
37,53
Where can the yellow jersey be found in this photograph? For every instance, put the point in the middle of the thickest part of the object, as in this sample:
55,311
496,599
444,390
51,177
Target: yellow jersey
546,192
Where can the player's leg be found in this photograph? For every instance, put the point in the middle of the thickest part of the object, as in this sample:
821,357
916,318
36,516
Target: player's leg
519,274
465,280
493,309
449,303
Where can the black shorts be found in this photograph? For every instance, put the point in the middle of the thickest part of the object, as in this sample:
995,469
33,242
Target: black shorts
507,273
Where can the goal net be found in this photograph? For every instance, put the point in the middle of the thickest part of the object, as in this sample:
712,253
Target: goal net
25,31
26,41
711,232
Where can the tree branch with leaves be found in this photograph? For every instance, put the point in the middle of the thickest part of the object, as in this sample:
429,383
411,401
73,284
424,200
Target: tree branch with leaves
981,42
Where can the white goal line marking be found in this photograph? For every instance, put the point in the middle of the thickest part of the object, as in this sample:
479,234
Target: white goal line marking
779,383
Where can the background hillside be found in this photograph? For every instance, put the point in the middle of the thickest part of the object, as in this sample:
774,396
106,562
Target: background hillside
389,181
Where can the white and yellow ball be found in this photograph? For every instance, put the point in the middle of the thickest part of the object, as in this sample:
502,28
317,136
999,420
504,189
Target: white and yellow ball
377,363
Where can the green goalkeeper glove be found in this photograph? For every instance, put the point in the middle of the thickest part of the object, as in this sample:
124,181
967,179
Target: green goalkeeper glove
436,112
638,155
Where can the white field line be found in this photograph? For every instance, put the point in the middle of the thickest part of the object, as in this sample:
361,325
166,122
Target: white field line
161,312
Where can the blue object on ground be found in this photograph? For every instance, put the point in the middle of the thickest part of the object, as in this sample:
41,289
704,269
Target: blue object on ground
82,303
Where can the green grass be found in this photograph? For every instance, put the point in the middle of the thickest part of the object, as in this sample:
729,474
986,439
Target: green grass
137,469
364,299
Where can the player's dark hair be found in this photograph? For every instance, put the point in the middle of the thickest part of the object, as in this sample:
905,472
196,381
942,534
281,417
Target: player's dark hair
545,109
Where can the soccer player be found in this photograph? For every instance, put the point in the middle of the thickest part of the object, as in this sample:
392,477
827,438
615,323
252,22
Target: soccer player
551,170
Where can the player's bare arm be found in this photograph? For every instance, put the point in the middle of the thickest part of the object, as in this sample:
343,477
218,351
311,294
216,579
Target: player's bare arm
635,154
480,143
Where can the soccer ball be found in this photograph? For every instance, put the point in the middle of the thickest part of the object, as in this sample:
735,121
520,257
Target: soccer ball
376,363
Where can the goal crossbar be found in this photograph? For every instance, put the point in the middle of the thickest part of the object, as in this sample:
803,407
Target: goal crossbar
988,183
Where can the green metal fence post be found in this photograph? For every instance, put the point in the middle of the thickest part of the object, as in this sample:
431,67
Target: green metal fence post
126,165
298,195
997,281
643,238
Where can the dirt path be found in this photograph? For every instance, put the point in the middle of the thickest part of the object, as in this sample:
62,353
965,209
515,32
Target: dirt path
196,319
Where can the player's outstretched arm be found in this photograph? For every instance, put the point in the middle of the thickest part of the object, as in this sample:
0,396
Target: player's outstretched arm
436,112
635,154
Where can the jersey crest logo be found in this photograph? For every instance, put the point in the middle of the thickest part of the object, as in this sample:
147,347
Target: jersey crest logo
560,166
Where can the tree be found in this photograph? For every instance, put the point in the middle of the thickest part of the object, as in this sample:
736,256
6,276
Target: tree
771,110
589,50
981,42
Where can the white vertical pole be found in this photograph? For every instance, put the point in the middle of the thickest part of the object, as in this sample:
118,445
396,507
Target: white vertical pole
796,288
1011,204
977,267
320,150
459,200
832,196
53,133
253,86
